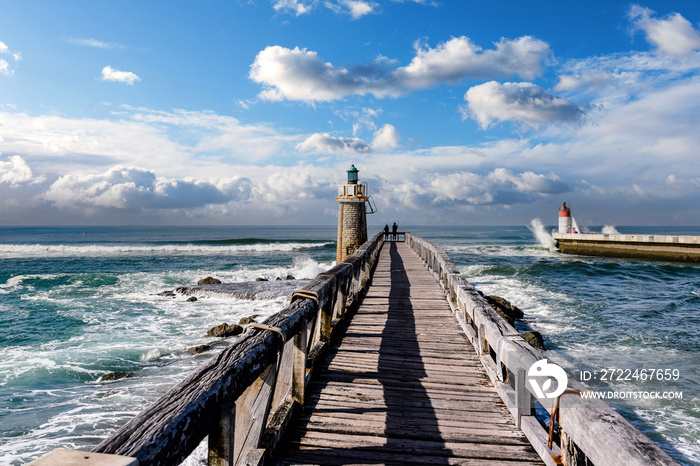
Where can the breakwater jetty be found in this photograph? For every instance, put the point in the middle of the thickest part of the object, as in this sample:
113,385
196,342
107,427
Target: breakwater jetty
390,356
570,240
656,247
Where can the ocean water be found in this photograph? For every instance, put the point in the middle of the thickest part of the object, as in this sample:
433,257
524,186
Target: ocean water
79,303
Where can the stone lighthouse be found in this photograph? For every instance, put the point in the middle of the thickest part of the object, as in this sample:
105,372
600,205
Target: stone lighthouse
352,216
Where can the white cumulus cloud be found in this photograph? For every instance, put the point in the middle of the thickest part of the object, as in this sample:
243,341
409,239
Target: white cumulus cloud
325,143
449,190
296,7
526,103
673,34
460,58
355,8
136,189
501,186
127,77
16,171
386,137
300,74
5,66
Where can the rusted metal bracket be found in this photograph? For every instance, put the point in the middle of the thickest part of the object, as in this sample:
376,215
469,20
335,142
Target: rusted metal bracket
555,411
266,327
304,294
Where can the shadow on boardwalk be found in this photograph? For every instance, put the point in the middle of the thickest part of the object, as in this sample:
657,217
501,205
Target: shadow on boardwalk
355,415
410,414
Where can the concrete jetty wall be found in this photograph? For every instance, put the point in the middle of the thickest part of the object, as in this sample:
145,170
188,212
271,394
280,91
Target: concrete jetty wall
656,247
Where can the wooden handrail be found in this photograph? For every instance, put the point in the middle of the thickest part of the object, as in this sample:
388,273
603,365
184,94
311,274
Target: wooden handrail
589,427
243,397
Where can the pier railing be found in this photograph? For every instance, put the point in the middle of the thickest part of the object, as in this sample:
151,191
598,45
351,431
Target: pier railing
243,398
398,237
589,431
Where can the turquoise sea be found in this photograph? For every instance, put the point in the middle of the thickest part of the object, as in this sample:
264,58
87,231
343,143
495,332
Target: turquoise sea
79,303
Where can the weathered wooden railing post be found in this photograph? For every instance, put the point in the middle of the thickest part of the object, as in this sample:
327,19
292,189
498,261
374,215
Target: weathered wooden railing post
340,301
326,322
220,440
524,402
251,413
299,365
483,344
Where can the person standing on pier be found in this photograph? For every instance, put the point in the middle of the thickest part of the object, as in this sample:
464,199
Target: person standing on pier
394,230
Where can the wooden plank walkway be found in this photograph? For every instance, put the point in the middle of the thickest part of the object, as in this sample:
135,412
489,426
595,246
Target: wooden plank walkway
403,385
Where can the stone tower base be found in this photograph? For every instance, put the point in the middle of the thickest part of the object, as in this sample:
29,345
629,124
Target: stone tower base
352,228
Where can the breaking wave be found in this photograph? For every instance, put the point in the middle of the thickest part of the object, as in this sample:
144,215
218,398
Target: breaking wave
203,248
544,238
610,230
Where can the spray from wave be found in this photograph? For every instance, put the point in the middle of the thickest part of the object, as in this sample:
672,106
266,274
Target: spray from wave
610,230
544,238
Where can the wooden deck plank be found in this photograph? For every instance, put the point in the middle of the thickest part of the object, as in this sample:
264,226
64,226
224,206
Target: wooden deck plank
403,385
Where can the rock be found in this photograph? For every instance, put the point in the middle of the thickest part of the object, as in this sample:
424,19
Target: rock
209,281
191,299
247,320
167,294
535,339
261,279
245,290
199,349
225,330
290,277
505,308
115,376
278,278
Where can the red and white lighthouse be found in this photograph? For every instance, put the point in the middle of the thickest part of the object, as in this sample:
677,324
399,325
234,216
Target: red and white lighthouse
567,223
564,219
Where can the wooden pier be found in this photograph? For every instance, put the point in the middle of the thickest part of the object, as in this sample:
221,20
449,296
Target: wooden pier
390,357
402,387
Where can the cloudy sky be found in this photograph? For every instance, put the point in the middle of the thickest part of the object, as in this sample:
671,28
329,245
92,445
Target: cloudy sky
248,112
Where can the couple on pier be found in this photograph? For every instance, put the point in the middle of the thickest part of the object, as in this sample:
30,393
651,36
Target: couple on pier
394,231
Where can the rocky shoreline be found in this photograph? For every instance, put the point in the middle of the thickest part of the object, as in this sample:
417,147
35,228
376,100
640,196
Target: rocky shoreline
259,289
512,314
213,287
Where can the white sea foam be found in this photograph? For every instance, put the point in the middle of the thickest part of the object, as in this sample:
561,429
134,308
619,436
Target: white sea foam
121,338
542,307
17,282
544,238
610,230
10,251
